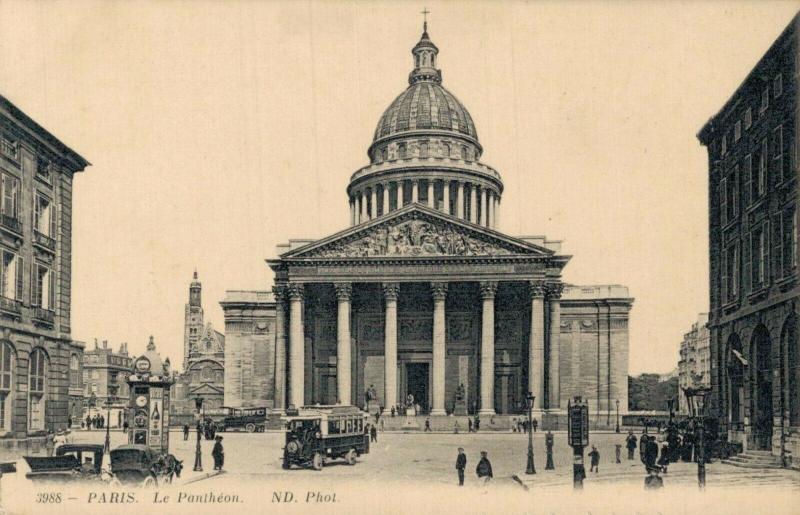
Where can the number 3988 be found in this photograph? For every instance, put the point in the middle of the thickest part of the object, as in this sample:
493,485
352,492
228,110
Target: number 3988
48,498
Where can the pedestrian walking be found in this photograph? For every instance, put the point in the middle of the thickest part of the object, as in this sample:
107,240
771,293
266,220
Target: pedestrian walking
427,424
663,460
643,445
477,423
455,428
617,452
595,464
461,464
535,425
548,440
88,423
392,412
69,421
484,468
469,425
630,443
651,452
218,453
185,432
125,427
373,434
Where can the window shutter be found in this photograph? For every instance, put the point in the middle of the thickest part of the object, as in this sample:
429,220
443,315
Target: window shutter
20,277
735,197
53,221
747,180
51,290
746,265
723,201
34,285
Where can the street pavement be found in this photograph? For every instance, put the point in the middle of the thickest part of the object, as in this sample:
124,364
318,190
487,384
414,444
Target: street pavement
404,471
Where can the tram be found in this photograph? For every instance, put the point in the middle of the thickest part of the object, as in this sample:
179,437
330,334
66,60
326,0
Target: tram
315,434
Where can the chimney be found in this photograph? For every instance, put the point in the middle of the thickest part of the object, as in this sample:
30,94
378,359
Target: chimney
105,344
95,343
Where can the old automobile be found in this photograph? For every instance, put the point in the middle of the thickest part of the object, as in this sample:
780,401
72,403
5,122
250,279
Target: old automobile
248,419
137,464
72,462
316,434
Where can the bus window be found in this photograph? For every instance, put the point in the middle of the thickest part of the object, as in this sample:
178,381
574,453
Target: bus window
333,427
349,426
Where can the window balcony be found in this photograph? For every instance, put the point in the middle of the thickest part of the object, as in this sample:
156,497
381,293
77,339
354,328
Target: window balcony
44,241
11,306
11,223
43,315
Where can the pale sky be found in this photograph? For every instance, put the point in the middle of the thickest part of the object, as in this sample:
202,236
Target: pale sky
218,130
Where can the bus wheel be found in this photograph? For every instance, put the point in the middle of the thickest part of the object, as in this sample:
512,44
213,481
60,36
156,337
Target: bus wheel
351,457
251,428
316,461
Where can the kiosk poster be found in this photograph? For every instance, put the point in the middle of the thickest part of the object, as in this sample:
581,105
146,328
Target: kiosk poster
358,257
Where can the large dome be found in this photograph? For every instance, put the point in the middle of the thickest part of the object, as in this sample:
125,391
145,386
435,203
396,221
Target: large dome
425,106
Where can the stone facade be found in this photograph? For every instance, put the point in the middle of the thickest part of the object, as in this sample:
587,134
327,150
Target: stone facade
76,391
694,367
752,154
35,278
105,376
250,349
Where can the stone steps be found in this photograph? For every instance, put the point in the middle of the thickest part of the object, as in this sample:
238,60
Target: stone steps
754,460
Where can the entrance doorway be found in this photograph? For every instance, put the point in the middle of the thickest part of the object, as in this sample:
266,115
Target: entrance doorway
417,383
762,396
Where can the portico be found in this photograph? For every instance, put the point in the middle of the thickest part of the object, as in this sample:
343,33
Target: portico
427,304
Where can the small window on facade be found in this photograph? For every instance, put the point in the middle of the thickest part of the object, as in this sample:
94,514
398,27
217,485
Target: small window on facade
37,389
446,149
764,100
6,385
401,150
423,149
384,154
43,216
724,148
748,118
10,196
11,275
737,131
464,152
777,86
9,147
43,287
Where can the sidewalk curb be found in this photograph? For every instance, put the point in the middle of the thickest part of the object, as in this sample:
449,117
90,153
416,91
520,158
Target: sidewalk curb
207,475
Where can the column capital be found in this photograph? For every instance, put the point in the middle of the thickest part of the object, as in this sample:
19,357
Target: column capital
344,291
488,289
295,291
439,290
554,290
537,289
279,290
391,291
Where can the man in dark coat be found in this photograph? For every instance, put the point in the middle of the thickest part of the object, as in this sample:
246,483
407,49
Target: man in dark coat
88,422
643,445
595,456
373,433
469,427
535,425
630,443
653,481
484,468
218,453
651,452
186,431
461,464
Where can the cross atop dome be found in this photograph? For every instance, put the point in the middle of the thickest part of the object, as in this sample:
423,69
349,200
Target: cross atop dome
425,12
425,53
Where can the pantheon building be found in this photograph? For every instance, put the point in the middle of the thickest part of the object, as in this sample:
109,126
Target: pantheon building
422,293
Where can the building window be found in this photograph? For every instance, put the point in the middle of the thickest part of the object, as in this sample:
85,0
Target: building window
43,292
748,118
43,169
37,388
9,147
401,150
759,256
747,180
723,201
737,131
764,101
11,275
731,277
384,154
777,86
446,149
43,216
6,385
777,152
10,197
724,148
423,149
788,241
464,152
761,182
74,371
733,194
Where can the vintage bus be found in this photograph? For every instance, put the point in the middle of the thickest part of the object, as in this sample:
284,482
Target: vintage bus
315,434
246,419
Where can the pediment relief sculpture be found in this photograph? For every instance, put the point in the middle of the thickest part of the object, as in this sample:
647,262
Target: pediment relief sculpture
414,238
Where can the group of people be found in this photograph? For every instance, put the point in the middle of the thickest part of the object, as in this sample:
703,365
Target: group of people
521,425
98,421
483,470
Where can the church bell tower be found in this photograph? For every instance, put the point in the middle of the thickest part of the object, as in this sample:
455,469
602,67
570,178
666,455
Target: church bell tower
193,320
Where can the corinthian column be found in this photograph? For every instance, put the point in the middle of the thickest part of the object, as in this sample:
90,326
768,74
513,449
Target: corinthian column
374,202
536,346
484,214
280,346
344,292
363,217
553,297
352,212
390,292
460,201
296,345
399,194
385,198
488,291
473,204
414,191
431,199
439,292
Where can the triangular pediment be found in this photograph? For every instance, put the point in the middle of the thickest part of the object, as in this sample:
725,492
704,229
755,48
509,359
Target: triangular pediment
206,389
417,231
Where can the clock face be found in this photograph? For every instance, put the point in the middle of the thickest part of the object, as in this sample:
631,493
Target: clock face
141,401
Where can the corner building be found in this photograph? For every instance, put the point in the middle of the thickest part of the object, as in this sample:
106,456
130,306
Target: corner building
422,293
752,145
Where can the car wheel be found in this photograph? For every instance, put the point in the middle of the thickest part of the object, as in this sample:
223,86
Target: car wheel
251,428
316,461
351,457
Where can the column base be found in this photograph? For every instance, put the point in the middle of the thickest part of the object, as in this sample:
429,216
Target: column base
488,412
438,413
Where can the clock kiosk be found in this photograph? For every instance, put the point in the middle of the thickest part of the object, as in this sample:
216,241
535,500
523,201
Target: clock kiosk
148,410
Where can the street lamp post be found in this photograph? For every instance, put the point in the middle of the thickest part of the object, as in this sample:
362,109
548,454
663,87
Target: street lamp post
696,398
531,469
198,461
671,408
616,428
107,445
